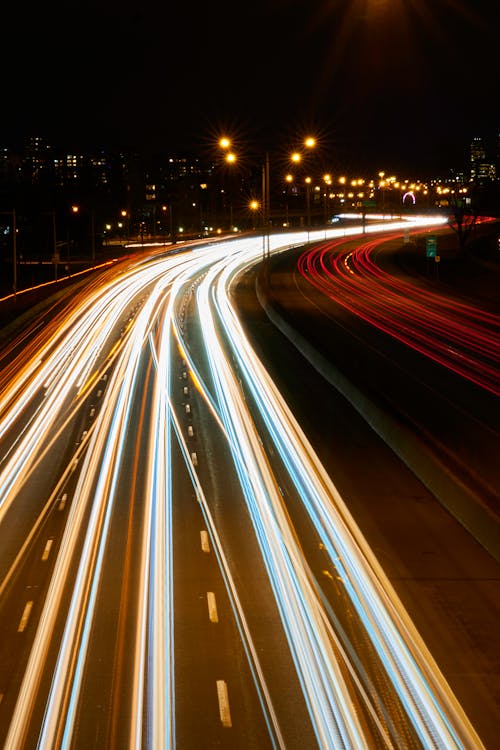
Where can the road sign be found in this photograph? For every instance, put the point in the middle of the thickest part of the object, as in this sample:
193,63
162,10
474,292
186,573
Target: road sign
430,247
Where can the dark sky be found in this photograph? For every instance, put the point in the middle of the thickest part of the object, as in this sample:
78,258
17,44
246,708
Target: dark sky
383,83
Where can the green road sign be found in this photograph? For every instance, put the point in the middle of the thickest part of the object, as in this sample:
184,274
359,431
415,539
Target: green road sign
430,247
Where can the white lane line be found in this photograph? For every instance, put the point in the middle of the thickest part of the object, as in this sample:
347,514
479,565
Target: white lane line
47,549
205,546
223,697
62,502
25,617
212,607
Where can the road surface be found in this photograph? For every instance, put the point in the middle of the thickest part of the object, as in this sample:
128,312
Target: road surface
177,567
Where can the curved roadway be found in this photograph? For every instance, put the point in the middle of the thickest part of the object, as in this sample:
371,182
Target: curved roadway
177,566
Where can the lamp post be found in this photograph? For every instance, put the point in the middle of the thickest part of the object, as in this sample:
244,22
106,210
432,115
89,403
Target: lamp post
75,211
254,206
225,144
328,181
125,214
296,157
230,159
54,237
14,247
266,207
92,234
308,181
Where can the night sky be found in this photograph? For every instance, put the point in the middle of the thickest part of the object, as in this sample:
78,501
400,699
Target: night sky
395,84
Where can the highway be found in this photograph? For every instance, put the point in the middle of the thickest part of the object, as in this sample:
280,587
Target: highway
178,568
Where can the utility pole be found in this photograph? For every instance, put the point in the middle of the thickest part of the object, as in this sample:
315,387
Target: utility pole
266,206
14,250
92,234
14,247
54,235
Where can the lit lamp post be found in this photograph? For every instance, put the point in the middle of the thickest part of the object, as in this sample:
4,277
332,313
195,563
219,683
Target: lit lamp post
308,181
230,159
126,215
164,210
254,206
289,180
328,182
296,158
75,210
382,188
266,207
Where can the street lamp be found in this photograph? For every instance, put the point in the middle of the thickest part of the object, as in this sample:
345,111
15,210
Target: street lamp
254,206
296,157
327,179
308,181
75,210
230,158
126,215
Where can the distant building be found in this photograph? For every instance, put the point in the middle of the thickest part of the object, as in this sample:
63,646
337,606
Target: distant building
482,169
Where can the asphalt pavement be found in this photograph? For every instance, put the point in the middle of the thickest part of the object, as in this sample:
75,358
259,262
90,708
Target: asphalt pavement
448,581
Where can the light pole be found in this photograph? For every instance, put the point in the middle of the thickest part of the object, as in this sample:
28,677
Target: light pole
54,237
125,214
254,206
75,211
296,157
92,234
309,143
266,207
328,181
230,159
14,247
308,181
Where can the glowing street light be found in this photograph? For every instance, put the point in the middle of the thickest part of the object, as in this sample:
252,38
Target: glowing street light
296,157
254,206
230,158
225,145
308,181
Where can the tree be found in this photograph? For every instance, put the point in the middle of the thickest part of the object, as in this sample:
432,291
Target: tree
462,220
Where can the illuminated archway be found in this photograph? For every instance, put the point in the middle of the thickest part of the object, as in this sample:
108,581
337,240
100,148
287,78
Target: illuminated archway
412,196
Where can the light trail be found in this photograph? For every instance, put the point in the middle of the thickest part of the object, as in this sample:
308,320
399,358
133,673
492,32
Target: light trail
337,668
456,335
368,591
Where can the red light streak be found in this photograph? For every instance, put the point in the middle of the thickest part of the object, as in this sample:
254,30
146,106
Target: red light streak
457,335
